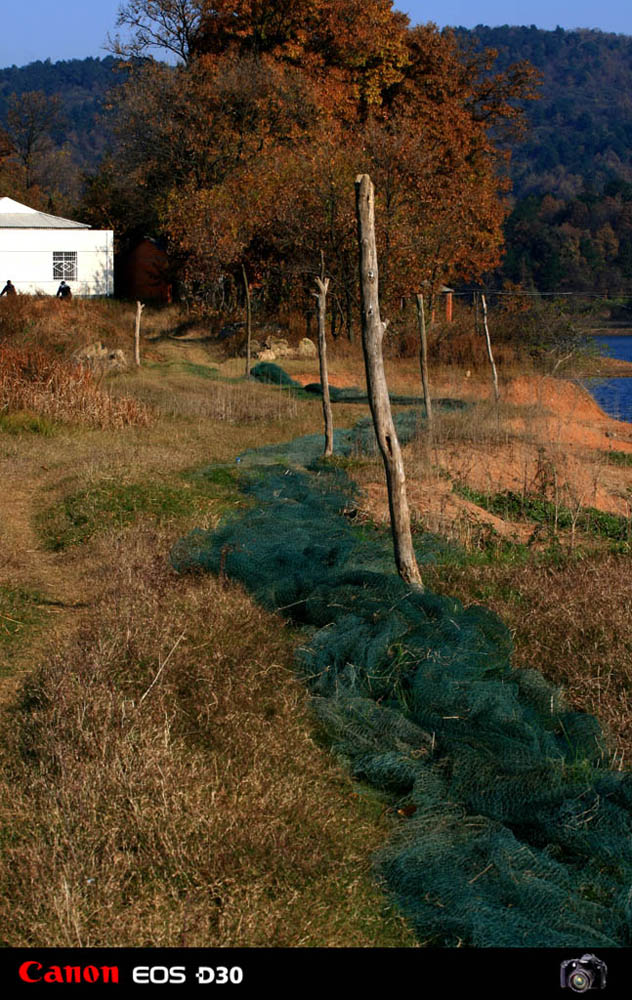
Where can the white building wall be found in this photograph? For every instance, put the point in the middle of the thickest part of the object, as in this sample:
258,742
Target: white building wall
26,258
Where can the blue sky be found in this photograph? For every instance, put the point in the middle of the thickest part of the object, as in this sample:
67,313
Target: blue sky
35,29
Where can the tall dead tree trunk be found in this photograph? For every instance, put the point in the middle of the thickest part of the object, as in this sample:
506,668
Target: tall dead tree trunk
423,358
489,349
248,319
372,335
321,299
139,309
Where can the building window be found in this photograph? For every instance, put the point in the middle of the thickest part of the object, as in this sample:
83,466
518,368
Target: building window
65,265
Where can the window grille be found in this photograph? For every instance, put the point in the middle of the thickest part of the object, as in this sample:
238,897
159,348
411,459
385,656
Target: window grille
65,265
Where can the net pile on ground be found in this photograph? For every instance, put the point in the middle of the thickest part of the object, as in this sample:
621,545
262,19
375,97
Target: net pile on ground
271,374
516,832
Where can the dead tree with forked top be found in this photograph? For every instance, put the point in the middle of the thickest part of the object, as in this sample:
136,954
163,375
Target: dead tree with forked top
372,335
321,299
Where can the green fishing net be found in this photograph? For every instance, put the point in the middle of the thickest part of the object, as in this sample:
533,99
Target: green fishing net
514,831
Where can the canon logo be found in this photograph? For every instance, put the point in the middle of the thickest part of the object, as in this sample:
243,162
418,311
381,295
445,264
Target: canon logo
35,972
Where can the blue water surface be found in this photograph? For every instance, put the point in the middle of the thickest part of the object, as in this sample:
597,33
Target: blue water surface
614,395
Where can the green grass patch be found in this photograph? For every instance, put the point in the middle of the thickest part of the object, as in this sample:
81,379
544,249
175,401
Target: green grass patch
493,548
24,422
214,475
524,507
619,458
19,615
202,371
186,368
210,373
80,515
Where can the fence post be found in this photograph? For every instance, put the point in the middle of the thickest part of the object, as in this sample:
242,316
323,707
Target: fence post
248,319
423,359
139,309
489,348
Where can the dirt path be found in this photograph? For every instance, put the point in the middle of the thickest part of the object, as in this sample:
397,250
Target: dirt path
26,565
24,561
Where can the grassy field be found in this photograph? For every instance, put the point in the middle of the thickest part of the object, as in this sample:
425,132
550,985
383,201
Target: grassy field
162,780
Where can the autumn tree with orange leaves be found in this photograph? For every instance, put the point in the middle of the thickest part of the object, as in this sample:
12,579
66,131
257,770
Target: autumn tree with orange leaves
248,149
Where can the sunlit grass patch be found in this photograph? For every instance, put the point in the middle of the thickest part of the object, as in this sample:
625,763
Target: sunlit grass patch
179,392
184,367
556,516
110,504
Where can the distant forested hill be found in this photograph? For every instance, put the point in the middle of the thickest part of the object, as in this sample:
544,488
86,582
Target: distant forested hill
581,128
571,227
81,84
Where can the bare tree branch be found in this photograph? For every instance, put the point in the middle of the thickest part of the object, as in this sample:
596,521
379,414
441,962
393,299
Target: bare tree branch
168,25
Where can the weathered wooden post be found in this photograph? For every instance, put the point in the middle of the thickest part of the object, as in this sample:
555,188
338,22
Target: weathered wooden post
139,309
489,348
321,298
372,335
248,319
423,358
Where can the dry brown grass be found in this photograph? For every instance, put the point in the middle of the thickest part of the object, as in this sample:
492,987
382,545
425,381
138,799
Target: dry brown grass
161,785
62,326
32,380
179,395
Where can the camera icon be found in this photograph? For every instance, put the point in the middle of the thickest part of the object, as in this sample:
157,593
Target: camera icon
582,974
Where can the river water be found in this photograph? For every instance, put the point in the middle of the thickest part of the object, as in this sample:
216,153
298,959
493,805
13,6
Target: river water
614,395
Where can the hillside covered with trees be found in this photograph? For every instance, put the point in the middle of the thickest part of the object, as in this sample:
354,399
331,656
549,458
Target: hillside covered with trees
54,129
580,129
114,150
81,87
571,225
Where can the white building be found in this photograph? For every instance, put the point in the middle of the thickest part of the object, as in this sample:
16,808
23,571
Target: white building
37,251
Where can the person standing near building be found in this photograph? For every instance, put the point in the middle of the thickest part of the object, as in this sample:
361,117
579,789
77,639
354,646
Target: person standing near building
9,289
64,292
